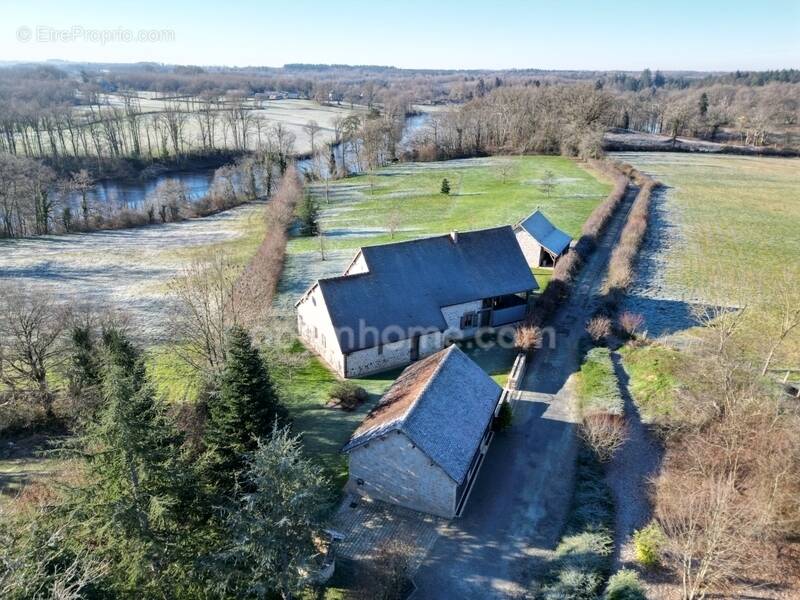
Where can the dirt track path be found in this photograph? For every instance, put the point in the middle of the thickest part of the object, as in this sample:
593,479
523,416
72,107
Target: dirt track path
522,495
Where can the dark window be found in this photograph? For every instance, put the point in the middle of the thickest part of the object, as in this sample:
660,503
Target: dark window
469,319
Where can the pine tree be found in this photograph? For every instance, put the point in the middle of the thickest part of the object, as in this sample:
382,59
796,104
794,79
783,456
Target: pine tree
83,371
131,509
703,104
308,214
445,187
272,527
244,408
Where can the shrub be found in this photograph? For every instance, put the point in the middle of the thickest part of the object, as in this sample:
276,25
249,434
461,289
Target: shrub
647,544
620,267
604,433
573,584
599,328
504,418
631,323
348,395
527,337
625,585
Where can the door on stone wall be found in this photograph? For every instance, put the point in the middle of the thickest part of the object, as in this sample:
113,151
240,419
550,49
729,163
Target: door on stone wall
415,347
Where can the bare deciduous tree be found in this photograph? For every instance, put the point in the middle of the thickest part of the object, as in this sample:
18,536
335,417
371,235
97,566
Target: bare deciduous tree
31,325
206,308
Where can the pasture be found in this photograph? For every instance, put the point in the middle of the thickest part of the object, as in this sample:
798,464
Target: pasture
728,235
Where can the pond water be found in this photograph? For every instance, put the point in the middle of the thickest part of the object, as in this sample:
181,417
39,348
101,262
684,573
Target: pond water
134,194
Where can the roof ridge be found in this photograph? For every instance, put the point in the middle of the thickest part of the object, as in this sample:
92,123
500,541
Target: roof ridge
523,219
432,237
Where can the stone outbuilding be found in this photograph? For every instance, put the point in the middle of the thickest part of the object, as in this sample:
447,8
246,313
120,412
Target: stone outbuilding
542,242
399,302
422,446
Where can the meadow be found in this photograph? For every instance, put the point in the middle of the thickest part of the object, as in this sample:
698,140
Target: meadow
736,241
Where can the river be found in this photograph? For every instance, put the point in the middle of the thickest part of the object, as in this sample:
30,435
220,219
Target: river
134,193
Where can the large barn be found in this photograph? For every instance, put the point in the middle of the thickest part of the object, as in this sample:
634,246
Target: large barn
541,241
399,302
423,445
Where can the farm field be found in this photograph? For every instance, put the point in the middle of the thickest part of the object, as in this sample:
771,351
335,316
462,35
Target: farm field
726,232
128,269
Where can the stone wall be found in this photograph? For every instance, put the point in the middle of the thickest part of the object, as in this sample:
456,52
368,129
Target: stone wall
530,248
452,315
316,330
390,356
394,470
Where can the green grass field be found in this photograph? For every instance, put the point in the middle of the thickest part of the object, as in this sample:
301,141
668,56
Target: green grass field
739,219
485,192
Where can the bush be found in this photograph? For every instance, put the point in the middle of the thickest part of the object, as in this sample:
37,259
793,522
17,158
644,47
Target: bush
527,337
631,323
348,395
647,544
573,584
625,585
599,328
604,434
583,556
504,418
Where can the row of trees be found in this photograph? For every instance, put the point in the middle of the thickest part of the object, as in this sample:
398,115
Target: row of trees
34,200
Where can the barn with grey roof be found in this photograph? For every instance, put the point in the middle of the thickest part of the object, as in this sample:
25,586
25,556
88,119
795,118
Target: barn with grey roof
399,302
542,242
422,445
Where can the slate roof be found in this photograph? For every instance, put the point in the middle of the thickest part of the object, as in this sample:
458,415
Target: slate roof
409,282
544,232
443,403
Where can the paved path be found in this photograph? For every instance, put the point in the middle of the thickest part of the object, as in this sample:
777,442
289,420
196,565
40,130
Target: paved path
522,495
367,524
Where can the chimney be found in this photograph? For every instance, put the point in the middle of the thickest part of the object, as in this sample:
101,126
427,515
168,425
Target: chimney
454,236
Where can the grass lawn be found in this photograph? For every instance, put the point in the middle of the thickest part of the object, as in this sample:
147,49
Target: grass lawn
739,218
597,387
361,207
653,372
485,192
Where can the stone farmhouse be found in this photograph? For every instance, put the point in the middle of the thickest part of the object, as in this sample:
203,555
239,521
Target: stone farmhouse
422,446
540,240
399,302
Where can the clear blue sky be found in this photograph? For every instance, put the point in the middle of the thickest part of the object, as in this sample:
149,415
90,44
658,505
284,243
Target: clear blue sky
553,34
